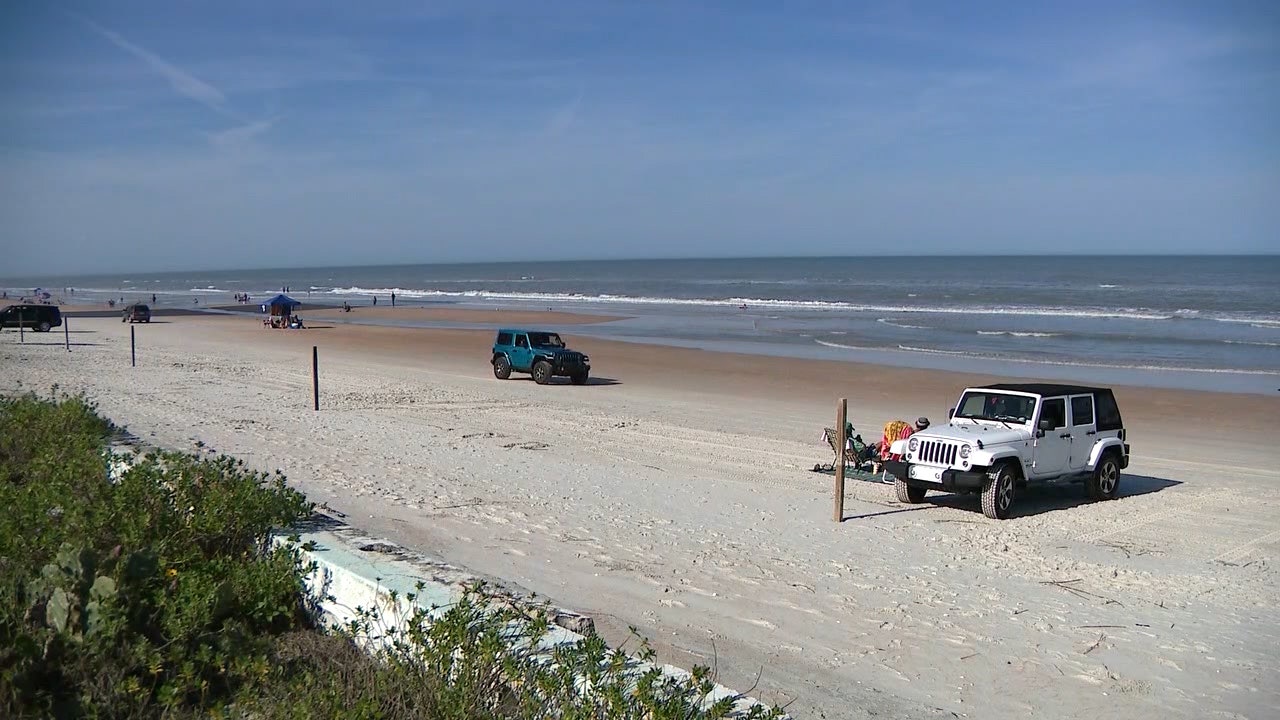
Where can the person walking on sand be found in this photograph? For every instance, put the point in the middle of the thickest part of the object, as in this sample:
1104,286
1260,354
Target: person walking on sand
375,299
393,299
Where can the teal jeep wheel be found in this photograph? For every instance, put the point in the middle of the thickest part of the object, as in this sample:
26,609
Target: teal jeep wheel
501,367
542,372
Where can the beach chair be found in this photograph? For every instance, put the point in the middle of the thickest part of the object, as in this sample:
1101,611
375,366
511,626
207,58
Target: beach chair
854,457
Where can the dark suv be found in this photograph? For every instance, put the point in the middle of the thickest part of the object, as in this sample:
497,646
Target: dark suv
541,354
41,318
136,313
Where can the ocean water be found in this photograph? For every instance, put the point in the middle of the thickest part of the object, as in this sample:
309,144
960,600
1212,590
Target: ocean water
1201,322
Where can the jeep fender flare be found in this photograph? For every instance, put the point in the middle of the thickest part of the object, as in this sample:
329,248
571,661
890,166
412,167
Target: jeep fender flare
989,459
497,355
1101,447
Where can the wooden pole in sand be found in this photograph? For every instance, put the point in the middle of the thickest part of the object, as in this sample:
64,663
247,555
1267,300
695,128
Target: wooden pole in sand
315,376
22,326
66,333
842,411
133,347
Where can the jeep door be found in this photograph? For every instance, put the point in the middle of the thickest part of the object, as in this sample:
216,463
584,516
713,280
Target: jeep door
1053,442
1084,431
521,354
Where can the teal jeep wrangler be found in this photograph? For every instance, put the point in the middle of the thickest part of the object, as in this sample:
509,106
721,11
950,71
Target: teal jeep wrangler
541,354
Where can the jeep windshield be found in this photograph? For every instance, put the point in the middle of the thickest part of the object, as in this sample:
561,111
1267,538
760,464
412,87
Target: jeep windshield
997,407
542,339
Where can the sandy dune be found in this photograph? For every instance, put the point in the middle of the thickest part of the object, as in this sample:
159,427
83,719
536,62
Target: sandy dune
673,494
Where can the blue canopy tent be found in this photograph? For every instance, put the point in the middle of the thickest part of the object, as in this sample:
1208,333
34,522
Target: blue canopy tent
280,308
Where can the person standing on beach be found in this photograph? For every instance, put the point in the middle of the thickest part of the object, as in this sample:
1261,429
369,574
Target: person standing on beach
375,299
393,299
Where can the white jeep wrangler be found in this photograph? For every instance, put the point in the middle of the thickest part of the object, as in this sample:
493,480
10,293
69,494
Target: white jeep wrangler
1002,437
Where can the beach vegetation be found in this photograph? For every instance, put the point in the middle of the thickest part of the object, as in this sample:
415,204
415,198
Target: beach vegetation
147,585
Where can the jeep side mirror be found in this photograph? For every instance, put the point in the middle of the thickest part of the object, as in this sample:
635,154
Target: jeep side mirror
1045,425
951,412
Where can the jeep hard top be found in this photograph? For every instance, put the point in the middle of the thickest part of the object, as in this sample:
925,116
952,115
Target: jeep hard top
541,354
1003,437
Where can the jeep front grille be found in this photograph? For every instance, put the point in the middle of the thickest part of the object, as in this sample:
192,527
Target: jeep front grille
570,358
937,453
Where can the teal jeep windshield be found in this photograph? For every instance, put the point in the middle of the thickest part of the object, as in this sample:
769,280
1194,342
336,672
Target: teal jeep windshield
542,339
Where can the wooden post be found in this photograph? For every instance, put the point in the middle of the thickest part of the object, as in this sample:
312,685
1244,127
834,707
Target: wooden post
133,347
66,333
842,409
315,376
22,326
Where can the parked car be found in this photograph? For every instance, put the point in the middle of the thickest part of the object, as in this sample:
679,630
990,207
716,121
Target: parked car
136,313
1004,437
41,318
541,354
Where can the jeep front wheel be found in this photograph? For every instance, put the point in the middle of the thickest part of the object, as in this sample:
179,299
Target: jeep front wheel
997,492
542,372
501,367
908,494
45,326
1104,484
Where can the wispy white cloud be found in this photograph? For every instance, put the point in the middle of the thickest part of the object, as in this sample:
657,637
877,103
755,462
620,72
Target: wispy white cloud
564,117
240,136
182,82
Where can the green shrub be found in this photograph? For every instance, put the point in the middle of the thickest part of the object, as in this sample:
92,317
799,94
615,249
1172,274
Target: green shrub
154,591
151,592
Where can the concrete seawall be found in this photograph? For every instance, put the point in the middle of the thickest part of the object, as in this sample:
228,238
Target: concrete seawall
353,571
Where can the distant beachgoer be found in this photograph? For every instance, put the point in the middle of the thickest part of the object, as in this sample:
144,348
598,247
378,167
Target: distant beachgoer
195,301
375,299
393,299
153,298
346,306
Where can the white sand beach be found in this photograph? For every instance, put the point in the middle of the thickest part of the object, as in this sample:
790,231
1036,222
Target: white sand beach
674,493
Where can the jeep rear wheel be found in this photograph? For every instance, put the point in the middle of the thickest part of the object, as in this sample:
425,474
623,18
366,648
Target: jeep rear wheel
579,378
997,492
542,372
908,494
501,367
1104,483
45,326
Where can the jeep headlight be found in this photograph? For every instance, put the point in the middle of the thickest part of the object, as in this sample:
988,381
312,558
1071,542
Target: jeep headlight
913,444
965,450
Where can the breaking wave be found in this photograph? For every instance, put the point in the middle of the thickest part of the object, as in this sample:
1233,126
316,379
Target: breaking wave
814,305
1018,333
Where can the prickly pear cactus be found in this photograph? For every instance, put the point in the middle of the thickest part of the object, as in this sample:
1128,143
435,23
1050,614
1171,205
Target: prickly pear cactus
76,595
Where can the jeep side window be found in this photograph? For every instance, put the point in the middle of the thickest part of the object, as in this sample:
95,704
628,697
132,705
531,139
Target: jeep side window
504,339
522,341
1055,410
1108,412
1082,410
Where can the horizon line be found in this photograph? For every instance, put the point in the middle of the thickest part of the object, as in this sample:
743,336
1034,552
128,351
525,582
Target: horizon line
655,259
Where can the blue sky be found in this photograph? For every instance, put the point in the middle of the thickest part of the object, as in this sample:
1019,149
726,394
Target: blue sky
179,134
